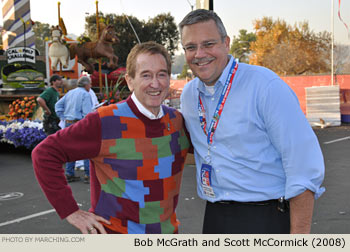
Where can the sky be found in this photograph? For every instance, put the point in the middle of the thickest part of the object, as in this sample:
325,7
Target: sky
235,14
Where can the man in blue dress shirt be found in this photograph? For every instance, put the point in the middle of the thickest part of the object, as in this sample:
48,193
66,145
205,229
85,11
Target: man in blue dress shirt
71,108
259,163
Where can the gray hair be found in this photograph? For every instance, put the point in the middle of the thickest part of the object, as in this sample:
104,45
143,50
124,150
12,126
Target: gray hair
201,15
83,81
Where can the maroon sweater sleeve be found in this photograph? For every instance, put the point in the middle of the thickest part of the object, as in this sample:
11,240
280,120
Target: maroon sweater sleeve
81,140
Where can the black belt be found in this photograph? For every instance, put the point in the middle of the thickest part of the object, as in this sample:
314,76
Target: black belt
257,203
282,204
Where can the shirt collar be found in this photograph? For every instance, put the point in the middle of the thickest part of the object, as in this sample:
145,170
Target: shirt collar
221,81
145,111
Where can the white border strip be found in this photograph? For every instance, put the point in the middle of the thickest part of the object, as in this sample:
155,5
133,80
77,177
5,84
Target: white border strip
337,140
27,217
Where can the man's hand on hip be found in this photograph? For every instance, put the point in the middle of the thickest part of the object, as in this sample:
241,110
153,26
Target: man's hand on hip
87,223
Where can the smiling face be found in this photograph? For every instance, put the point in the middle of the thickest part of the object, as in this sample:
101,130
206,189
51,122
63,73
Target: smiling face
205,51
151,82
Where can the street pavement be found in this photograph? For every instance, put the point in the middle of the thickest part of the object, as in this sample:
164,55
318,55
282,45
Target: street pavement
25,210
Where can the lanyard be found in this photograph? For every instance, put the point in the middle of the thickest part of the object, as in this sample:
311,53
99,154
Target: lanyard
219,108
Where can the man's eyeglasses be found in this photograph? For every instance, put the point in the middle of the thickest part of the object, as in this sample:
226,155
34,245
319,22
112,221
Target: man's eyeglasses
205,45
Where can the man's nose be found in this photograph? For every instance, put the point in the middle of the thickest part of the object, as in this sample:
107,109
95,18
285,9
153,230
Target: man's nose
155,82
200,52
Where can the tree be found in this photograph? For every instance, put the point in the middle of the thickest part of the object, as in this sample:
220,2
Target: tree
161,29
290,50
240,47
179,61
127,38
185,72
42,34
341,59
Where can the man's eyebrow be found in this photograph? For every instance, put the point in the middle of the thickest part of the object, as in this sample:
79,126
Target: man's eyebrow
148,71
202,42
145,71
164,70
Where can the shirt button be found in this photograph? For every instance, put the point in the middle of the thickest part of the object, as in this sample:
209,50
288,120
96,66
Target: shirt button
227,193
214,147
217,170
212,99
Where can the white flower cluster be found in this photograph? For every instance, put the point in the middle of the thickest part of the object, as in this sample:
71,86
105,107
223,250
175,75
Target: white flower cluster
31,124
2,129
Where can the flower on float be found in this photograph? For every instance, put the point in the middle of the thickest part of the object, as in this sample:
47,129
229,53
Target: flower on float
22,132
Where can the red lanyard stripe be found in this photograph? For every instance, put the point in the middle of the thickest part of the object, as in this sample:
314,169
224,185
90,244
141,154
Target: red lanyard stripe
202,119
219,108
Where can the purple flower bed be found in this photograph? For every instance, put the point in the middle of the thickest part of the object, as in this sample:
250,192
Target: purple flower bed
22,133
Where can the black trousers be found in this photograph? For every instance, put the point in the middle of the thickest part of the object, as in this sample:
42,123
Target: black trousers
50,125
245,218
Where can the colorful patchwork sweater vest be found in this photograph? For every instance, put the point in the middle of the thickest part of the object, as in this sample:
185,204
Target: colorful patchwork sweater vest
139,169
136,167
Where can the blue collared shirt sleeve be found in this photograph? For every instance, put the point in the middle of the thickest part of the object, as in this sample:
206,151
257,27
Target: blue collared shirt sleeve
59,107
292,136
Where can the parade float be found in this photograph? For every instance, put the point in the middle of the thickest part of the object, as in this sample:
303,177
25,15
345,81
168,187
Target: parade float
25,75
22,82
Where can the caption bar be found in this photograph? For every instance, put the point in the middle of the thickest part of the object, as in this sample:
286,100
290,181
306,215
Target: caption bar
244,242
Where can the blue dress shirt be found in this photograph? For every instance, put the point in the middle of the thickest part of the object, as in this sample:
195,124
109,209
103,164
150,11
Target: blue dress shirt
74,105
263,147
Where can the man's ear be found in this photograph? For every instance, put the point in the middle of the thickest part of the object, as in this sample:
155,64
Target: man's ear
130,82
227,42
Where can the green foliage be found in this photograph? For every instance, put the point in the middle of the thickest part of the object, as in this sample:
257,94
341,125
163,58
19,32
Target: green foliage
83,39
184,72
240,47
114,92
161,29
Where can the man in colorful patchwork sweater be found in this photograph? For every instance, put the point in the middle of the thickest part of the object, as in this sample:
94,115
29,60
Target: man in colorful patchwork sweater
137,150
